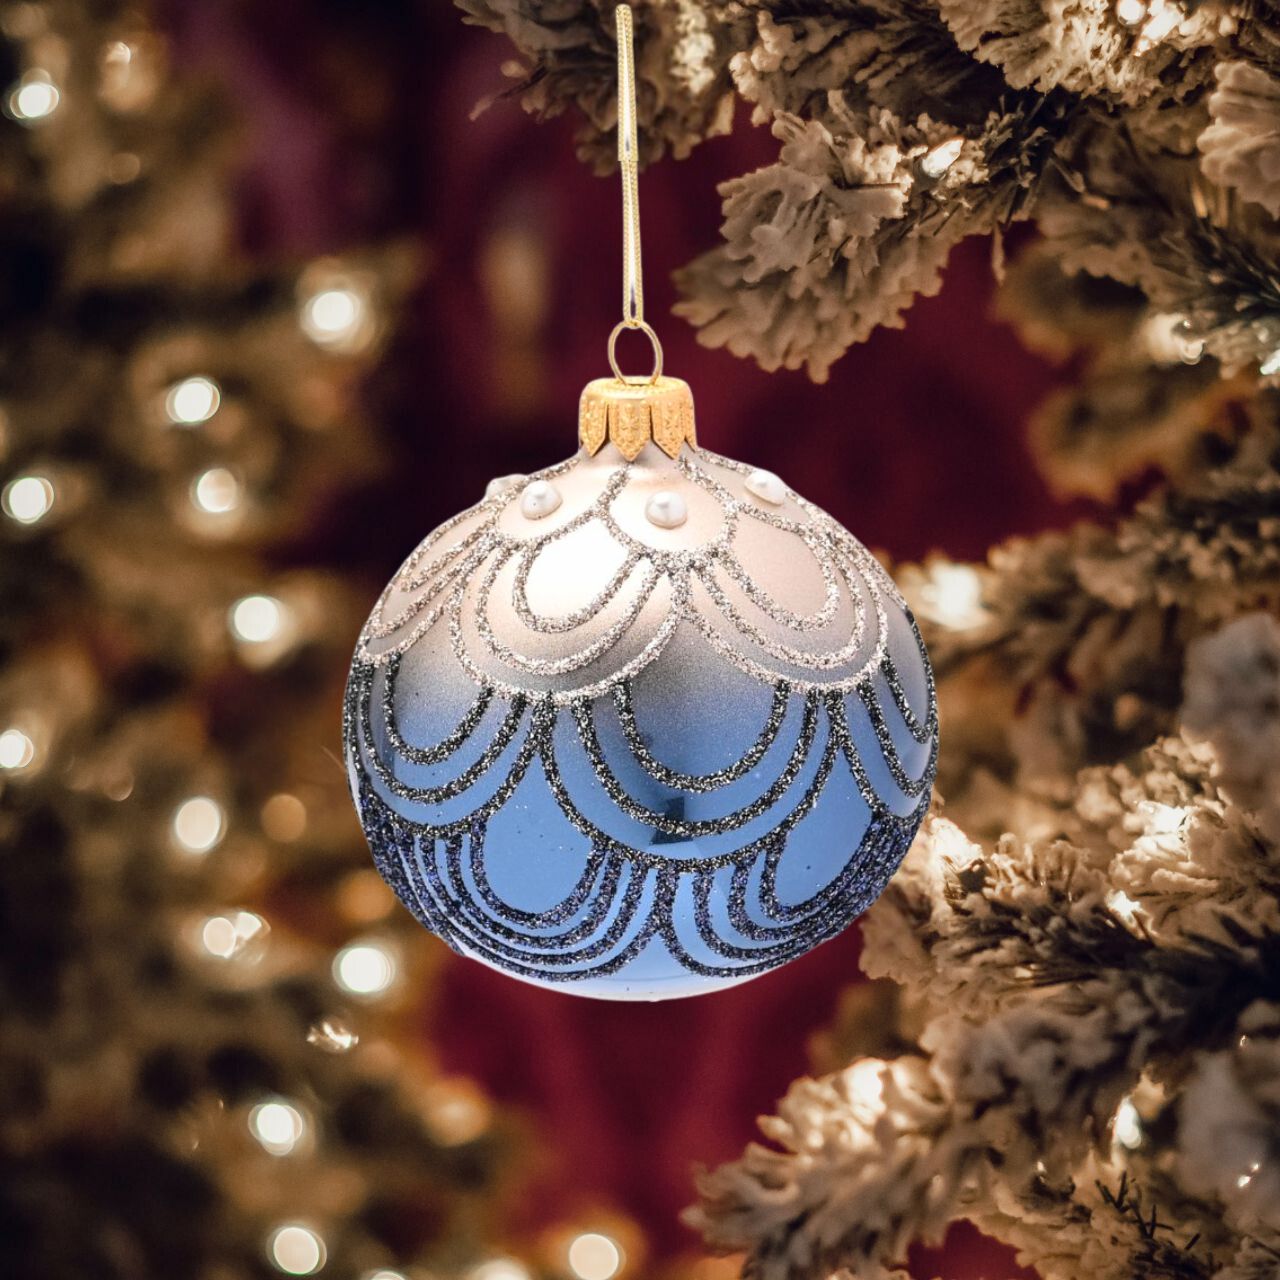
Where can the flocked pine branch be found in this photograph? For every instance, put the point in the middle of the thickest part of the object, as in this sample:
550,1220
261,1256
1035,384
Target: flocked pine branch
1082,1056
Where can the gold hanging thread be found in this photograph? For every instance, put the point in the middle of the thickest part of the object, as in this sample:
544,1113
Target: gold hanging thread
629,410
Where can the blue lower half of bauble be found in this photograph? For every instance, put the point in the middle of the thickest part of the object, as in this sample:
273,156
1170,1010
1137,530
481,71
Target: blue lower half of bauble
635,846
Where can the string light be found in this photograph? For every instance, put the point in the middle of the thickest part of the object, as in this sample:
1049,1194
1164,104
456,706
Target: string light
34,98
336,315
17,750
366,969
296,1249
332,1035
1270,365
198,824
1127,1127
28,499
952,595
192,401
277,1125
499,1269
865,1083
1162,819
457,1112
216,491
284,818
227,936
938,159
1122,905
257,619
1168,340
384,1273
1157,18
593,1256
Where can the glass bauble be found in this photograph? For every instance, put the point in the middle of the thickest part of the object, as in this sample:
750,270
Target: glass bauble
640,728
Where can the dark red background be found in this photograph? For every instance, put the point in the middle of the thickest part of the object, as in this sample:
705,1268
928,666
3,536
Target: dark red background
357,119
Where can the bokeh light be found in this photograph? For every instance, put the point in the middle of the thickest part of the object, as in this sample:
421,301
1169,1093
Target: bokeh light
198,824
216,491
365,968
257,619
277,1125
28,499
227,935
284,818
34,98
296,1249
594,1256
336,317
457,1112
951,595
499,1269
192,401
17,750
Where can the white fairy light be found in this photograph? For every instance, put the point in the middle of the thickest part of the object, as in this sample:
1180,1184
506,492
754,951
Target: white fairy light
952,596
34,98
227,935
1127,1127
1131,13
28,499
457,1112
284,818
365,968
296,1249
1162,17
17,750
384,1273
1167,340
277,1125
499,1269
938,159
192,401
1162,819
864,1082
336,316
594,1256
216,491
257,619
1122,905
1271,364
198,824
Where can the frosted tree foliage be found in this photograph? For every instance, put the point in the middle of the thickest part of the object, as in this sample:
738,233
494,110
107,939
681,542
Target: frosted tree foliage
1078,968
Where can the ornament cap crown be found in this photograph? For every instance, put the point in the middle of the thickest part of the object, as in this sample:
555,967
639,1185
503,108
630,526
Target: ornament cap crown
630,414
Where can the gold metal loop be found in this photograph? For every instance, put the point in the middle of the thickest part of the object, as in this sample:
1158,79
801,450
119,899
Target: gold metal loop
631,379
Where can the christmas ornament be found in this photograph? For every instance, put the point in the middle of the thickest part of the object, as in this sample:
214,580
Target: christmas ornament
646,723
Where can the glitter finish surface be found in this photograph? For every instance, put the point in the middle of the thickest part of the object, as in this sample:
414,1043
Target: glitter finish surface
637,762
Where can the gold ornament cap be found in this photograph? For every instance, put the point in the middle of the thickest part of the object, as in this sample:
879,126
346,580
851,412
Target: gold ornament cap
628,414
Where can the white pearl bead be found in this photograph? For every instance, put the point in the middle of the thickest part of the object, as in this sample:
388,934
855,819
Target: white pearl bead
767,487
500,484
540,498
666,509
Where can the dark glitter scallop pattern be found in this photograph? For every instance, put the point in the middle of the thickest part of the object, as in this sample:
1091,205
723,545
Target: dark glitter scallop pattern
628,897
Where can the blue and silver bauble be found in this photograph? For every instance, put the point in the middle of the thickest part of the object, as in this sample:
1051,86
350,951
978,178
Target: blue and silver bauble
643,725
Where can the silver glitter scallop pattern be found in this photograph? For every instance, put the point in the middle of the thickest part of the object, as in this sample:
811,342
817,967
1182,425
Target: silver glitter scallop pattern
635,761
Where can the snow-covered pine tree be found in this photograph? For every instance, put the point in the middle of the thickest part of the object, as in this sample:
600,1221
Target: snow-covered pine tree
1085,1059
